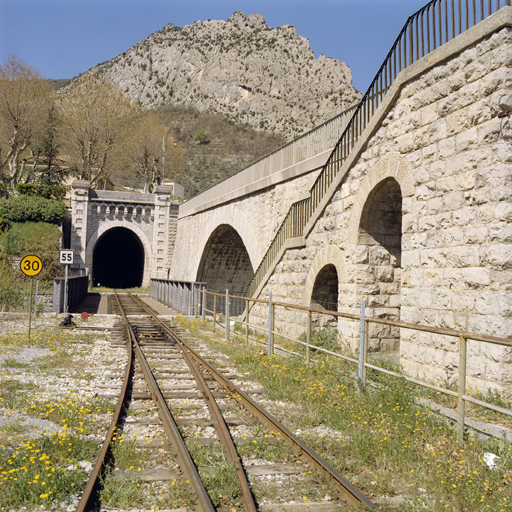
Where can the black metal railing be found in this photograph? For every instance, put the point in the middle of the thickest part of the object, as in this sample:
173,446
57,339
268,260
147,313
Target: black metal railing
432,26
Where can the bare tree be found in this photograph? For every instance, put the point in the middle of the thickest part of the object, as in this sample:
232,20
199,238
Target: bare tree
25,99
95,115
142,150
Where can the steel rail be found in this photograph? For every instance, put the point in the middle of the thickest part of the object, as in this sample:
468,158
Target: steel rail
352,495
217,417
90,495
186,463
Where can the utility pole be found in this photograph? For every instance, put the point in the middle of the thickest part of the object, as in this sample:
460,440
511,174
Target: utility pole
163,159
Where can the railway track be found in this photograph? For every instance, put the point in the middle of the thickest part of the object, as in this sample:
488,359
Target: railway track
166,373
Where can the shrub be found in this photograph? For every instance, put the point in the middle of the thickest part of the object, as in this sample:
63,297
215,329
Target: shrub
200,136
11,295
39,238
29,208
46,191
5,225
4,190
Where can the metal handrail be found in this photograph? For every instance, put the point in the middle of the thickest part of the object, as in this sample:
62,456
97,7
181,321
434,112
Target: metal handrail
435,24
288,154
463,337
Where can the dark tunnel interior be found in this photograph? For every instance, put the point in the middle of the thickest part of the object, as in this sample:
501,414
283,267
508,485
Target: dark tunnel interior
118,260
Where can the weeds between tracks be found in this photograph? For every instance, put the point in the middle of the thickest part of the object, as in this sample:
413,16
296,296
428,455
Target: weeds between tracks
395,451
399,454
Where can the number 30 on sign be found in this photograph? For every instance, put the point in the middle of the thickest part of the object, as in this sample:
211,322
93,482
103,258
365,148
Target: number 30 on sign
31,265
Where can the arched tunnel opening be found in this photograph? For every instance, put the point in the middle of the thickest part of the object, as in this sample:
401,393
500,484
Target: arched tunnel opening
225,264
118,260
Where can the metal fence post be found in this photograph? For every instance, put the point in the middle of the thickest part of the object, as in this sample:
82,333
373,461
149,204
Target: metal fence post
270,350
362,349
461,410
227,314
308,340
203,305
214,311
65,290
247,321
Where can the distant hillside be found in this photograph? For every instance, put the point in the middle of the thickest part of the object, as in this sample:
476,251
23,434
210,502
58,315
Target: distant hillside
265,77
226,149
59,82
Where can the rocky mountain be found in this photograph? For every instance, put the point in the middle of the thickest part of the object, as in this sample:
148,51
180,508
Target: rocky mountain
265,77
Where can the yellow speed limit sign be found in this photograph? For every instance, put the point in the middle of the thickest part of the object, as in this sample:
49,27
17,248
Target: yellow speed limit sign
31,265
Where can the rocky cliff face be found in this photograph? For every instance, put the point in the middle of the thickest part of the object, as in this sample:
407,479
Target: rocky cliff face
242,68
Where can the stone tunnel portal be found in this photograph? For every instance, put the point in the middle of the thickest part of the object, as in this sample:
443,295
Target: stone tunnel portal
118,259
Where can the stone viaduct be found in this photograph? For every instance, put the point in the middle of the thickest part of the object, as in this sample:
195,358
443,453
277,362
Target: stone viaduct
407,204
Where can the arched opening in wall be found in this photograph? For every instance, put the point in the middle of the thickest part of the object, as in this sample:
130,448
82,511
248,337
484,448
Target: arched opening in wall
379,262
325,296
118,259
225,264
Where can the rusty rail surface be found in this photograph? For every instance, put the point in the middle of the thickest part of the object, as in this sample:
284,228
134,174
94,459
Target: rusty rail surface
90,495
216,414
89,498
203,502
352,495
432,26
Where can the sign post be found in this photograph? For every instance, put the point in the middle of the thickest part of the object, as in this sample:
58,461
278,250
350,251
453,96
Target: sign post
66,257
31,266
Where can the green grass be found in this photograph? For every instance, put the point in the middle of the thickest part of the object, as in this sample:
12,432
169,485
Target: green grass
35,472
128,494
10,362
382,441
274,452
38,238
127,455
222,485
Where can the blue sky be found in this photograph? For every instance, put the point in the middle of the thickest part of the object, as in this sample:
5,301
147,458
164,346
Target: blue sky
62,38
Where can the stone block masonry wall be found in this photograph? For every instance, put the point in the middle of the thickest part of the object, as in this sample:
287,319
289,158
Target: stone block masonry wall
255,218
445,155
151,217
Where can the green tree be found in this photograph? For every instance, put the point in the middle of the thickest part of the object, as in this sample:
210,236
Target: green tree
46,169
142,150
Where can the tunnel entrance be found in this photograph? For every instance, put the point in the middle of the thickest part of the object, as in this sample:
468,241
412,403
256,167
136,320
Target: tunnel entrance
118,260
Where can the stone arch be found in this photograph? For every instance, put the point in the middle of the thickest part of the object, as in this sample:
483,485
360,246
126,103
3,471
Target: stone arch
326,289
225,264
327,270
107,226
391,165
375,238
233,216
330,255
